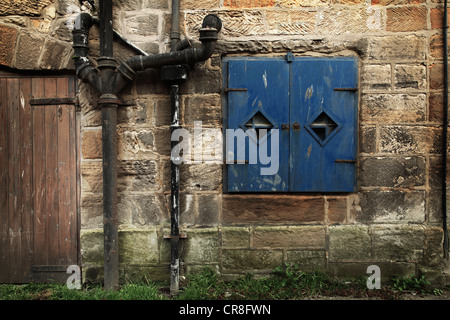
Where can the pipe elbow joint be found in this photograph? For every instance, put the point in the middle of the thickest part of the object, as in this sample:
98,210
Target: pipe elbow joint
210,28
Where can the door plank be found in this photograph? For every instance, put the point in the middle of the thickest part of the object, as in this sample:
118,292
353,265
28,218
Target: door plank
51,172
39,151
26,159
4,211
14,197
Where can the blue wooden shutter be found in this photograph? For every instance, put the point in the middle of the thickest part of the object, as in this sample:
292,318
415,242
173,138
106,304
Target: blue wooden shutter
313,104
324,104
258,94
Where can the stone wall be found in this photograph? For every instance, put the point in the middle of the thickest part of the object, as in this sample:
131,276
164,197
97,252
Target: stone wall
394,220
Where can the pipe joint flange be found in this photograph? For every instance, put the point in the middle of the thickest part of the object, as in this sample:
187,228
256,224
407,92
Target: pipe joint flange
208,34
108,98
126,71
106,62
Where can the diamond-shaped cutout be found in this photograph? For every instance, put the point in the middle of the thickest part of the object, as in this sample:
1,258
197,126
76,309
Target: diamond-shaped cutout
260,123
323,127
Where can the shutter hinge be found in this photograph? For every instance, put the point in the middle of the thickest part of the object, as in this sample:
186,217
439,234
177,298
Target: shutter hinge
346,89
289,57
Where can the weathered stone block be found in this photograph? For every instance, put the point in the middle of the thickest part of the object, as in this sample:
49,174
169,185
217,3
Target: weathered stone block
337,209
142,209
249,3
392,108
408,47
139,114
412,18
138,247
28,50
163,115
242,209
91,146
204,108
235,23
8,36
436,76
22,7
312,237
388,270
208,209
435,107
236,237
246,260
437,18
141,24
410,139
433,253
91,176
135,145
398,243
291,22
308,260
199,4
188,208
410,76
395,172
368,139
202,246
376,76
392,206
337,20
396,2
200,177
91,211
92,246
437,46
350,242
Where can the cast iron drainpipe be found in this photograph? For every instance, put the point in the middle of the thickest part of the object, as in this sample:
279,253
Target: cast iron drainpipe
445,149
108,81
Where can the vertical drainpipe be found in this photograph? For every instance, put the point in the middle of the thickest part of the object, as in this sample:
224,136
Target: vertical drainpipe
108,104
175,170
445,149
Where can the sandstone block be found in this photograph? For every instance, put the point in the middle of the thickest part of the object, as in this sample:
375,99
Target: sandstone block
236,237
392,206
410,77
398,172
138,247
291,22
8,36
398,243
337,209
246,260
368,139
312,237
349,243
244,209
392,108
387,48
204,108
410,139
308,260
29,47
411,18
202,246
376,76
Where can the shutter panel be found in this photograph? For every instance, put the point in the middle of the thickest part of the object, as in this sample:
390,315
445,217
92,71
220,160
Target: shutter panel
323,150
258,97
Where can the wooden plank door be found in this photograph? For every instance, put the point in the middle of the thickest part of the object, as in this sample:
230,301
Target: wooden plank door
38,180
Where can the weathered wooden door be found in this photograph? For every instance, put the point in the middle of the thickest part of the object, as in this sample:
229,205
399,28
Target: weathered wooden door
38,178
